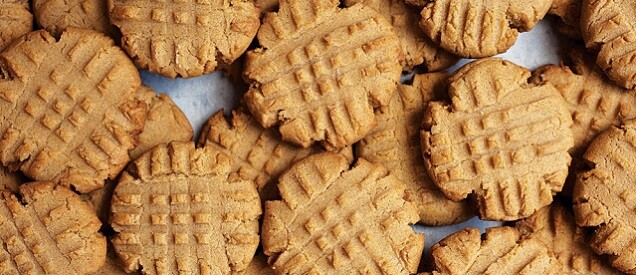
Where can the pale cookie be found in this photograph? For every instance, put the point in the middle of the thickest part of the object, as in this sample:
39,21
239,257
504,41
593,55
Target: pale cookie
258,154
395,144
68,108
594,102
16,21
554,226
48,229
56,16
477,29
503,141
184,38
569,17
416,46
334,219
604,197
165,122
178,210
10,180
501,250
322,70
608,27
259,266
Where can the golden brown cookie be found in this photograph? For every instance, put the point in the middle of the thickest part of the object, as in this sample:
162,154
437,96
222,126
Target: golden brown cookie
477,29
112,265
501,250
165,123
416,46
10,180
604,196
56,16
503,140
266,5
100,199
16,20
184,38
322,70
608,27
179,210
569,14
259,266
69,114
334,219
395,144
48,229
554,226
595,103
258,155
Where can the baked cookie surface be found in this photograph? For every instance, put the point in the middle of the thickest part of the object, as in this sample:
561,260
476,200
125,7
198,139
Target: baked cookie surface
179,209
604,196
56,16
48,229
184,38
321,71
395,144
69,109
16,20
336,219
503,140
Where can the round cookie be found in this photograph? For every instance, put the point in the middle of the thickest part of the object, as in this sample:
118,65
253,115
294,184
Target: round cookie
334,219
608,27
258,155
56,16
165,122
16,20
179,210
48,229
594,102
184,38
476,29
554,226
69,108
322,70
10,180
395,144
503,140
501,250
604,196
416,46
569,17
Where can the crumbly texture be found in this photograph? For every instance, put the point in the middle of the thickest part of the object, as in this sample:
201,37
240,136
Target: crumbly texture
184,38
477,29
554,226
336,219
179,210
502,139
258,154
259,266
68,109
595,103
501,250
321,71
16,20
608,27
416,46
48,229
10,180
569,14
266,5
56,16
395,144
165,122
604,196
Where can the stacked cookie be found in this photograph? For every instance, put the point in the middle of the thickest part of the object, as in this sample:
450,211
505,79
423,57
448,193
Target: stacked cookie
349,133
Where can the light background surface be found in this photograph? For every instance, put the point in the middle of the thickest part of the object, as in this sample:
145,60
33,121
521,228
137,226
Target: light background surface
203,96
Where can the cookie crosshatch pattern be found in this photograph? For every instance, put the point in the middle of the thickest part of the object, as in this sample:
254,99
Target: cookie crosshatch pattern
184,38
178,209
69,108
